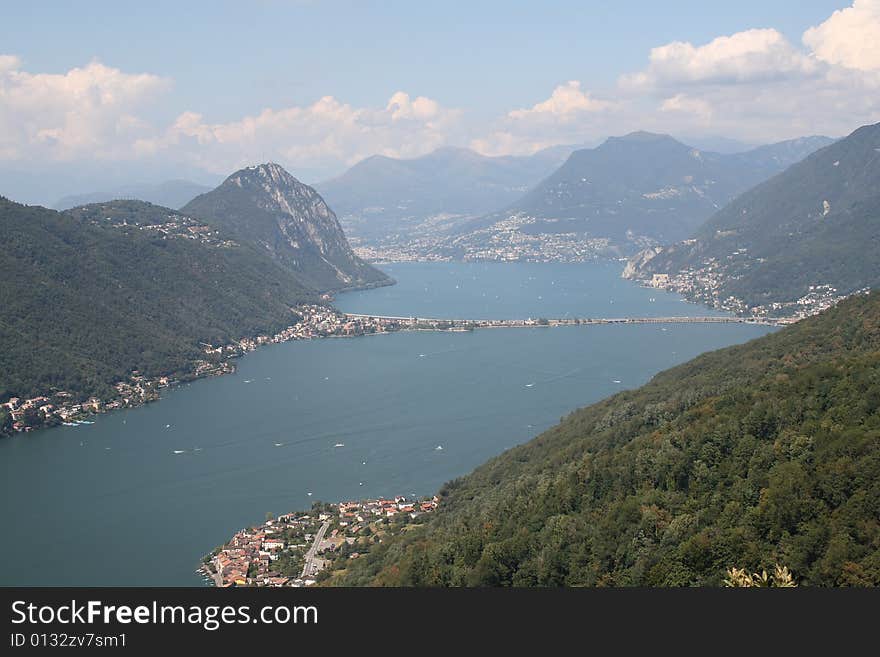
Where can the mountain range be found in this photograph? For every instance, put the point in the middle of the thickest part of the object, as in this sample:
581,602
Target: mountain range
381,196
816,225
268,208
638,189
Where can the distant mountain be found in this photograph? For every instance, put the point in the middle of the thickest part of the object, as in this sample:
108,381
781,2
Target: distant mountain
382,196
90,295
268,208
771,159
816,224
170,194
638,189
760,454
718,144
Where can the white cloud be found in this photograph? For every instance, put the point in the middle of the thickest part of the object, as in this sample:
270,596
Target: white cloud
684,103
96,113
566,102
85,112
850,37
422,109
320,135
569,116
754,85
749,56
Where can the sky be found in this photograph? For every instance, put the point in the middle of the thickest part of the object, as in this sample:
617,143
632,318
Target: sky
111,92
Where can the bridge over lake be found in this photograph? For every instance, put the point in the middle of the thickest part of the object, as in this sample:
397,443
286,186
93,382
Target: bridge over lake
441,323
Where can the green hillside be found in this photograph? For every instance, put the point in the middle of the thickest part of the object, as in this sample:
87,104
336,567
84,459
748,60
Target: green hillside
757,454
818,223
89,296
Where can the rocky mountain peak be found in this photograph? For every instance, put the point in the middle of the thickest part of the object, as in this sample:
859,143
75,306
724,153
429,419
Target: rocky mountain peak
267,206
263,175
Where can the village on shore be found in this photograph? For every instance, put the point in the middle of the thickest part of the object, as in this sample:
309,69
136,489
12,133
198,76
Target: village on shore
703,284
299,549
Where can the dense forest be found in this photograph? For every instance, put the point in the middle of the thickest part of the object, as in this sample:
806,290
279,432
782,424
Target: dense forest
84,304
760,454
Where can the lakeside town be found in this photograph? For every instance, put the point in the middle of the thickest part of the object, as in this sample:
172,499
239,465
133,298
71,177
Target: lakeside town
703,285
509,239
300,549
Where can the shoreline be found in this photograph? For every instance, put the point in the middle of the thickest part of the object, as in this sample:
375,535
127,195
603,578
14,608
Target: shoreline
317,322
58,408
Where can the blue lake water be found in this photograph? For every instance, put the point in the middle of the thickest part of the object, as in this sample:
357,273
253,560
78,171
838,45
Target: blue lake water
138,497
480,290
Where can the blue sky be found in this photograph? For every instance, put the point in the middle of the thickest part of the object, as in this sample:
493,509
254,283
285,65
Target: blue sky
160,89
233,58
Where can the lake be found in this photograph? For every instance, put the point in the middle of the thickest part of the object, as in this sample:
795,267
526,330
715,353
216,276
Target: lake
138,497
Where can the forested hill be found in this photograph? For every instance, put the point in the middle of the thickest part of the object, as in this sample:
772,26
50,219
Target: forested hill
762,453
90,295
818,223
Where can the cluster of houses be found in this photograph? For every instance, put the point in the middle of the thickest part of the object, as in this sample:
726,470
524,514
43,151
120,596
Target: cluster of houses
62,408
174,226
510,240
252,557
416,250
25,414
316,322
356,514
703,284
817,299
249,558
357,519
